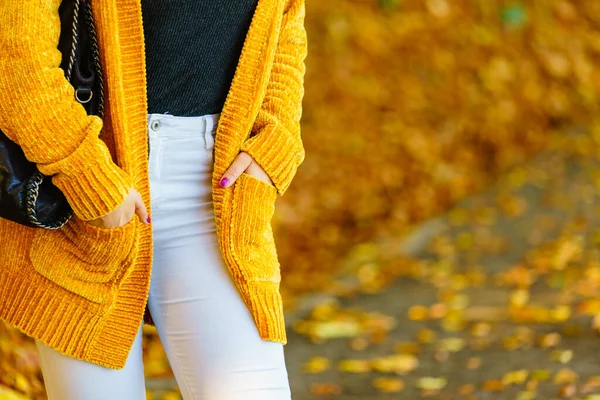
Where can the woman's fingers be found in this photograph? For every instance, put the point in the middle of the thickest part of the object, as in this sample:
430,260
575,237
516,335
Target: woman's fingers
140,209
122,214
239,165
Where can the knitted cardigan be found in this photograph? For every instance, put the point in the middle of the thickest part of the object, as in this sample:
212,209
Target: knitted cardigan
82,290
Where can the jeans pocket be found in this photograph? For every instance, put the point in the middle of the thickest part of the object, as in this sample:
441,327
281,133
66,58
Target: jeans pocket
85,259
252,241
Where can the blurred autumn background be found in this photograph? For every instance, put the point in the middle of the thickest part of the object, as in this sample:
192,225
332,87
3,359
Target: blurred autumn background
439,239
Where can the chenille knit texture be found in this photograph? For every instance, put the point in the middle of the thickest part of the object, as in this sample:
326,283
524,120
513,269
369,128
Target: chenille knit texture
83,290
192,49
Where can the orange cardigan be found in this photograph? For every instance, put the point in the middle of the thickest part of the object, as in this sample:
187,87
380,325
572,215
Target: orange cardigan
82,290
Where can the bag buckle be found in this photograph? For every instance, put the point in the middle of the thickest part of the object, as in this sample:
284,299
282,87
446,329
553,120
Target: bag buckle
85,91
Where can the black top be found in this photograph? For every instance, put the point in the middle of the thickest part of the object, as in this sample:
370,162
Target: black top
192,50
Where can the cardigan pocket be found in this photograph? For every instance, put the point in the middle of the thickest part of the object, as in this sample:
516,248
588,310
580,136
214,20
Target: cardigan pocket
252,242
85,259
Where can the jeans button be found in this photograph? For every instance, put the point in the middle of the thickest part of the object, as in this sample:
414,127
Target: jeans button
155,125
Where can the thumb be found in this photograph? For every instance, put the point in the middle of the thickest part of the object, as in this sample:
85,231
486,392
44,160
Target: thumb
140,210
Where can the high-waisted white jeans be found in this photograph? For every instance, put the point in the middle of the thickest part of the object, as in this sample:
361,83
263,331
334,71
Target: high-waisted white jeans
209,335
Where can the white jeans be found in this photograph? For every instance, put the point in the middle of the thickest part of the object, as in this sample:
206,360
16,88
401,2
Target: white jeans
209,335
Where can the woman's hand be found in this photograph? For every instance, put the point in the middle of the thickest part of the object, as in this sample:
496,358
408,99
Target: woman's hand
133,204
244,163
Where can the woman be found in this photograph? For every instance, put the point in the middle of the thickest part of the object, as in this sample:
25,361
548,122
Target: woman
203,144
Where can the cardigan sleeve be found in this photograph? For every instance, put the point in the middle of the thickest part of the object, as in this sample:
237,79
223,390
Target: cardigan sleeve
276,144
38,111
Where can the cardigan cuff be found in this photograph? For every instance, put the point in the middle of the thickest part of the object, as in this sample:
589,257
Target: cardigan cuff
277,152
92,183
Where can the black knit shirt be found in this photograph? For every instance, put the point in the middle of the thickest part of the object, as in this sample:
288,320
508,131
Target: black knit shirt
192,50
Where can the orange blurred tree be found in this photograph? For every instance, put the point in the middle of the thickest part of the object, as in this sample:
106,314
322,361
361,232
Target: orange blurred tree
410,105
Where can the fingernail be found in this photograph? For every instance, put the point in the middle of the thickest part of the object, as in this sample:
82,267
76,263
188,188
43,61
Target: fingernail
148,220
224,182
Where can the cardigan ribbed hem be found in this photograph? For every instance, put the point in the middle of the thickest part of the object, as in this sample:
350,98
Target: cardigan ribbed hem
55,316
265,303
129,98
121,323
98,333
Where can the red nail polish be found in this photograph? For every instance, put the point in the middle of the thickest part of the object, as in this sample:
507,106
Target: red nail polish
224,182
148,219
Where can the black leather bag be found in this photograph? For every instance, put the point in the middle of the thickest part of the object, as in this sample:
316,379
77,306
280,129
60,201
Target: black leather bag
28,197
